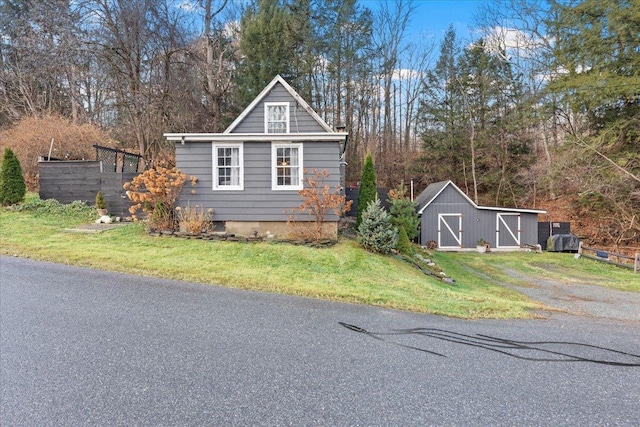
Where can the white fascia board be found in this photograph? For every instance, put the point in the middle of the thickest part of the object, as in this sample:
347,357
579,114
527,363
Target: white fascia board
517,210
263,94
253,104
486,208
242,137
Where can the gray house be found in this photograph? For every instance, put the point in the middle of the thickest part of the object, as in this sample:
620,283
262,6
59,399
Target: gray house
251,173
455,222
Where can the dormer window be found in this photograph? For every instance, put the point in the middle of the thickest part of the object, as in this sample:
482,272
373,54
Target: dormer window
276,117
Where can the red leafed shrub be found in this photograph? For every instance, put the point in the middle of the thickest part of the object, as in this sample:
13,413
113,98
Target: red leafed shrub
318,200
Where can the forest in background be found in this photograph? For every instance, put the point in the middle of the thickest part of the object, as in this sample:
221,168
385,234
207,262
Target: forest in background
541,109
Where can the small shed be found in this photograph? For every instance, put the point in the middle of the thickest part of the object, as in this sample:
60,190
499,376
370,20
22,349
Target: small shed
452,220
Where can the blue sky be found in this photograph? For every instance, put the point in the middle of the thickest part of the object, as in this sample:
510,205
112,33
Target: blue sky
432,17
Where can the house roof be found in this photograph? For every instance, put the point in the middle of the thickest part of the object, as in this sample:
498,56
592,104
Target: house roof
229,136
278,80
432,192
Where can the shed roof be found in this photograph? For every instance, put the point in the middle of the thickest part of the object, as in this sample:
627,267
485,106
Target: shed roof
433,190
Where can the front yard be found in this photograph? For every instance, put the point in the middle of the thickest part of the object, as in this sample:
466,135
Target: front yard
343,272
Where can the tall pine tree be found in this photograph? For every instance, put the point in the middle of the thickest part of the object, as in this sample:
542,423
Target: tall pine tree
268,47
442,117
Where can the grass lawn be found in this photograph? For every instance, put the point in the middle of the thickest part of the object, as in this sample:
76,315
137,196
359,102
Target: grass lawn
344,272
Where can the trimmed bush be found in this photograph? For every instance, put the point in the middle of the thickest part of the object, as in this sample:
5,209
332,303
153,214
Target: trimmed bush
12,185
376,233
100,203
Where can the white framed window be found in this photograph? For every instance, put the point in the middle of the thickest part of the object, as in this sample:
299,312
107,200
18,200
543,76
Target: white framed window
286,169
276,117
228,170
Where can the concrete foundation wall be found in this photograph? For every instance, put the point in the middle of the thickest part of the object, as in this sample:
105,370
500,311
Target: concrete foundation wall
279,230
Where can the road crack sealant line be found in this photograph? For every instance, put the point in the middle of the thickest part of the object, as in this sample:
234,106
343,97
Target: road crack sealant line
506,346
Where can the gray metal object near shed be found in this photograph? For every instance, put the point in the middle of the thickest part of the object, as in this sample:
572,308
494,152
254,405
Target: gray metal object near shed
251,173
452,220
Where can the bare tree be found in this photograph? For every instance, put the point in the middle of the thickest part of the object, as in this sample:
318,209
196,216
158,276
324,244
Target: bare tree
219,59
391,24
139,41
39,55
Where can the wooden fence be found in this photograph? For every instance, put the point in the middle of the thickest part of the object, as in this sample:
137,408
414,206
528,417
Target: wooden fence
67,181
621,260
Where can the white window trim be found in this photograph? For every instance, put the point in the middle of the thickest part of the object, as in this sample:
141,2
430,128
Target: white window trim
216,186
266,115
274,166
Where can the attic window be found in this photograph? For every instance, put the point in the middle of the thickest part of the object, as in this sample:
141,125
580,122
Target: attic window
276,117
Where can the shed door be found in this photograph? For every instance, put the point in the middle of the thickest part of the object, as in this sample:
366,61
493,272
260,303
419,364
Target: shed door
508,230
449,230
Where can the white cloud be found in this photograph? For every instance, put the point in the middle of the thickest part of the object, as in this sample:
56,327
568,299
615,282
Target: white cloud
405,74
511,41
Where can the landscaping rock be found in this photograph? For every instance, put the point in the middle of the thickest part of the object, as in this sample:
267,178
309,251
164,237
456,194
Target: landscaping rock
104,219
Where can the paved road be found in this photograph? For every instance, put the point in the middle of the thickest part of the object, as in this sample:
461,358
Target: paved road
82,347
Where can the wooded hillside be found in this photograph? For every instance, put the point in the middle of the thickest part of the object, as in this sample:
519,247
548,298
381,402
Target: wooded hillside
542,109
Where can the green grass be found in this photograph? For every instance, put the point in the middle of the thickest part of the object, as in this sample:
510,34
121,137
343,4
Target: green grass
343,272
562,267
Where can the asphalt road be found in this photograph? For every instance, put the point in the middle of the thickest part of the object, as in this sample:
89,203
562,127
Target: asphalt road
89,348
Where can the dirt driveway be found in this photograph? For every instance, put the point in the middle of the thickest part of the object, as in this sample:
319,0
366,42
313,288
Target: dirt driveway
576,297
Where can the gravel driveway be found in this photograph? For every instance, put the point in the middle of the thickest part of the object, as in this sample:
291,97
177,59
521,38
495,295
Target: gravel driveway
578,299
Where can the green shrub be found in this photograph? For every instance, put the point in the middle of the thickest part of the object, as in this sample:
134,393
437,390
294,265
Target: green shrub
100,203
75,210
403,212
12,185
376,233
368,191
404,246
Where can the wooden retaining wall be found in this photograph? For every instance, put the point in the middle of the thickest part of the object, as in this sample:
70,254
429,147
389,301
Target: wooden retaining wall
67,181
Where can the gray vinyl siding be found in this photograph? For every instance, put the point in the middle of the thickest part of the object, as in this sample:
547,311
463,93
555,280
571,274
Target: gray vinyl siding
257,202
476,223
450,202
300,121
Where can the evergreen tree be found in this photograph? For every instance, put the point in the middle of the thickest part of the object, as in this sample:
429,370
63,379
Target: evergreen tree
495,127
442,117
368,191
12,186
403,212
596,53
404,245
268,47
346,46
597,50
303,26
376,233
